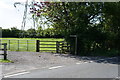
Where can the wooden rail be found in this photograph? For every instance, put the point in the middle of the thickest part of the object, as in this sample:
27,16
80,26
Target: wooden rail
5,50
40,48
59,46
63,47
20,45
38,45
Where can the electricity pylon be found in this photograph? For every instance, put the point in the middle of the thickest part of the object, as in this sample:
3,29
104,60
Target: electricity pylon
23,25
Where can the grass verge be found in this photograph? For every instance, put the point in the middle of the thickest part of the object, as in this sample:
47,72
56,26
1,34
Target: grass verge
5,61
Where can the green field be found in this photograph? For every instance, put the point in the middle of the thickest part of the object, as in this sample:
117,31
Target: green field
29,44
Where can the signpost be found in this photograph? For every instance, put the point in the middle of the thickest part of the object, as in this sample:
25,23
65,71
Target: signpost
75,36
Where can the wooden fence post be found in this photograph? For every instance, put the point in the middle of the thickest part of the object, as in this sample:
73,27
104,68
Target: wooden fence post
0,44
37,45
5,51
18,45
62,47
57,47
67,47
27,45
9,44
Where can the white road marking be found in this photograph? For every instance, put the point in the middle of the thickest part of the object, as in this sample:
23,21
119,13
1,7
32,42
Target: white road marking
16,74
20,71
55,67
118,77
78,63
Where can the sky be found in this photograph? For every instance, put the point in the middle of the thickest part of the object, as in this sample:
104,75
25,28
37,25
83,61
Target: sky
11,16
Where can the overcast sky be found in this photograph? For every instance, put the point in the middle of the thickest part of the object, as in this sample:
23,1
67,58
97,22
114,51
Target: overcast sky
11,16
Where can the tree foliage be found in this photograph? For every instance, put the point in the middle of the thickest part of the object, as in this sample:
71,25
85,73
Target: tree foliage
31,33
95,24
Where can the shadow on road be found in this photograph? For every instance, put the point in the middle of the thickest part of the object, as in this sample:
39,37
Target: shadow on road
110,60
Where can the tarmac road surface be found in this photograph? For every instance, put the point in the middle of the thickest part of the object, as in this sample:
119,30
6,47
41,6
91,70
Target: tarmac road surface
76,70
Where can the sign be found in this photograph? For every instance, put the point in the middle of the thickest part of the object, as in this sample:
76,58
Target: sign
73,35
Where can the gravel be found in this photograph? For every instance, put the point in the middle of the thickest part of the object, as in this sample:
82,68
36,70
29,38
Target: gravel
23,61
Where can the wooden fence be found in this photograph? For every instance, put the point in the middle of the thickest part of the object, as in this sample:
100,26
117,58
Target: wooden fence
37,45
20,45
63,47
4,49
45,46
54,46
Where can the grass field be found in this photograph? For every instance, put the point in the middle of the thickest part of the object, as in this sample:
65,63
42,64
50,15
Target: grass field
28,44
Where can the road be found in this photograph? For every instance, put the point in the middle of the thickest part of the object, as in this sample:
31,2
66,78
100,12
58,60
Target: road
75,70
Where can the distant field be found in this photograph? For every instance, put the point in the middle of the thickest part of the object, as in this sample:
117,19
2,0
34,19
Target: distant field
28,44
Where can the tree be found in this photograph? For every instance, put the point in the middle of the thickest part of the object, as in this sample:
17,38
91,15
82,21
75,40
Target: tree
39,32
31,33
95,24
15,32
112,25
6,33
